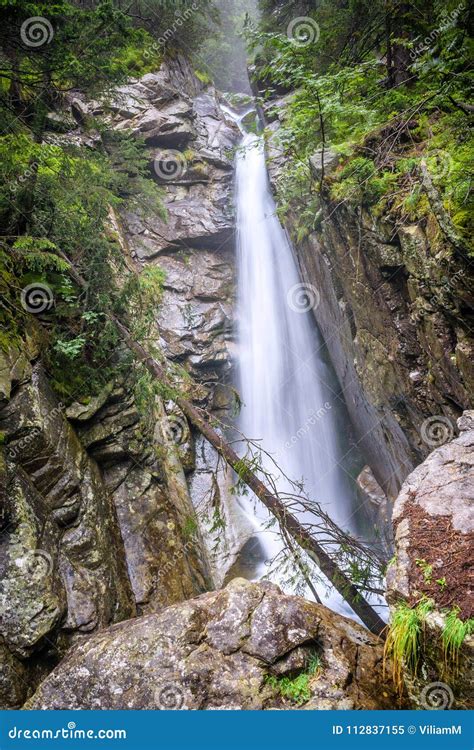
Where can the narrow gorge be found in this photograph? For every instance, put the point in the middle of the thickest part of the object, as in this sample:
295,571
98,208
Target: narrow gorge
236,422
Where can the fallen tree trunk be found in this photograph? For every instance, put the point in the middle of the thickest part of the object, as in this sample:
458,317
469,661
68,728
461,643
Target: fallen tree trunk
289,522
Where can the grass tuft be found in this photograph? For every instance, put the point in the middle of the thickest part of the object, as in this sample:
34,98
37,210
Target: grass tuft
297,690
454,633
404,638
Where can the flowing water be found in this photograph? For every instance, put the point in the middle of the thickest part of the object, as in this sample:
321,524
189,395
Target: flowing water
284,383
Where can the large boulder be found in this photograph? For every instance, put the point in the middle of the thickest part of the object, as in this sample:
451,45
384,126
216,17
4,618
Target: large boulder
434,539
227,649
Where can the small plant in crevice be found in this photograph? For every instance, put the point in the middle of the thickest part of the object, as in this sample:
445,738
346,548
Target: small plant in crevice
454,633
297,689
426,569
404,639
405,646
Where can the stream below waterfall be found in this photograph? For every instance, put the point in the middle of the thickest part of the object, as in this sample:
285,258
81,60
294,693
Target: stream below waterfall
288,392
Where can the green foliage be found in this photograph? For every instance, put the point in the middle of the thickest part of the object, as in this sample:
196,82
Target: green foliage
403,642
190,527
175,24
82,48
203,76
359,182
355,107
56,198
426,569
454,633
72,348
251,463
144,391
297,689
139,300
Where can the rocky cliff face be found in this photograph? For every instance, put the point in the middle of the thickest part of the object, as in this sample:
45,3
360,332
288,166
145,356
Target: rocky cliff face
394,308
97,521
63,569
190,144
111,512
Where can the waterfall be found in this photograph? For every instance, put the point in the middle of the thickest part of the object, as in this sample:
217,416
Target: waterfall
288,399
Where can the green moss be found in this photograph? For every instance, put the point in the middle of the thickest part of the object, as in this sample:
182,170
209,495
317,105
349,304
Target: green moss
190,527
297,690
203,77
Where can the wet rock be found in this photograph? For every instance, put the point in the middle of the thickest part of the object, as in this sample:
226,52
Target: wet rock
216,652
226,530
61,556
143,457
13,680
394,316
14,367
371,487
59,123
437,494
195,317
434,539
81,546
32,597
104,498
80,112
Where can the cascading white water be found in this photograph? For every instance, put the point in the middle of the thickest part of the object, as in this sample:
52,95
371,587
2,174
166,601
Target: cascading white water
287,404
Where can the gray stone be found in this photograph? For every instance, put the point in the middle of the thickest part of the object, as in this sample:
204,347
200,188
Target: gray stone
328,160
216,652
434,524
